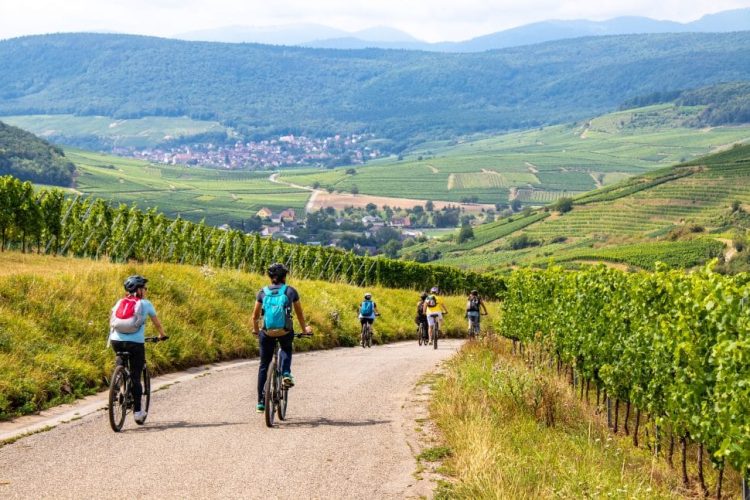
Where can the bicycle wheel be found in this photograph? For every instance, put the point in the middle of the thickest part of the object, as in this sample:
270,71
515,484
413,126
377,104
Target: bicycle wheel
420,334
435,338
362,335
270,393
118,390
283,401
369,335
146,400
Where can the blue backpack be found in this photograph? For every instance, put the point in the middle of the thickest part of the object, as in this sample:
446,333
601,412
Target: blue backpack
365,309
275,311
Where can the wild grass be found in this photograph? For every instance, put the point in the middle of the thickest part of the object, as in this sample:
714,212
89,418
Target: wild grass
54,316
516,432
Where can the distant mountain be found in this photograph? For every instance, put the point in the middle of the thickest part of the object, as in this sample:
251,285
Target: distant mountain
288,34
311,35
405,96
298,34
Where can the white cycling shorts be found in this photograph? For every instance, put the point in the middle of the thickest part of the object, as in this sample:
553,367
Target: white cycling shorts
432,317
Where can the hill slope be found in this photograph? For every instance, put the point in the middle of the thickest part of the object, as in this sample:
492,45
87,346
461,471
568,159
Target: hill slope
394,93
677,215
29,158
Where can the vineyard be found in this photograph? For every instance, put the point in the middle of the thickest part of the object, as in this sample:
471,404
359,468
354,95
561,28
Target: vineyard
50,223
673,347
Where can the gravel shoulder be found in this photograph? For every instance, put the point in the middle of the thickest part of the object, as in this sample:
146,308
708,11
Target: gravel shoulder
346,436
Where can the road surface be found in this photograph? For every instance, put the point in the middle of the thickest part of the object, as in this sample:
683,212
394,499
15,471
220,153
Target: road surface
345,437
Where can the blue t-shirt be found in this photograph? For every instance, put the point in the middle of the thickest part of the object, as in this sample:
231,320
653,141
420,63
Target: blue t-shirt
147,308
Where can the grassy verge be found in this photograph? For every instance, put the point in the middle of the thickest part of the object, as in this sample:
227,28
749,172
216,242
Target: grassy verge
54,315
515,432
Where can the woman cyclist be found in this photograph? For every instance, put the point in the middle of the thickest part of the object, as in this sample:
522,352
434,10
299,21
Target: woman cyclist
434,309
133,343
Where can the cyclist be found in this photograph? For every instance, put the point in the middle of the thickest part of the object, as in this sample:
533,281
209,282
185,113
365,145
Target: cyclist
474,306
434,309
421,318
268,299
368,310
133,343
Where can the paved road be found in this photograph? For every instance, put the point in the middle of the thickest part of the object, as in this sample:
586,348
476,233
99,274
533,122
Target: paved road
345,437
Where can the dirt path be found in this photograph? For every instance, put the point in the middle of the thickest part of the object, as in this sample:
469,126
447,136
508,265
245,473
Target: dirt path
532,168
346,436
310,205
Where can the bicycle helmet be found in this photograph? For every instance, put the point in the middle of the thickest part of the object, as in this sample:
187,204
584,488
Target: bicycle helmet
434,289
368,296
133,283
277,270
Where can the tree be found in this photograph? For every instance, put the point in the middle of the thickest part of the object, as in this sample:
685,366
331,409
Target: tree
563,205
429,206
351,171
516,205
466,233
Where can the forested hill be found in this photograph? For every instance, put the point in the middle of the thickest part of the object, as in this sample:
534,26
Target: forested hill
24,155
397,94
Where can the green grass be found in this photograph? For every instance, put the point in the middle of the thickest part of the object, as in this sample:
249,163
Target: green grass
54,315
137,133
192,192
514,432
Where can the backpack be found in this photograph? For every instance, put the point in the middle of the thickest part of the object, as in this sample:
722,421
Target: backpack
365,310
473,304
127,316
431,301
276,312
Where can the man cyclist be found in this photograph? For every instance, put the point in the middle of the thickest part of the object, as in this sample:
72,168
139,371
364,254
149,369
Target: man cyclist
267,337
434,309
421,318
133,343
474,306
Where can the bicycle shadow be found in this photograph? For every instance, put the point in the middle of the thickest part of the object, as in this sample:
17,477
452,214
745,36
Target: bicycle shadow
180,424
327,422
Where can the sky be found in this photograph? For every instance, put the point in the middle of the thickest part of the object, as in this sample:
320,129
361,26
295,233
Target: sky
429,20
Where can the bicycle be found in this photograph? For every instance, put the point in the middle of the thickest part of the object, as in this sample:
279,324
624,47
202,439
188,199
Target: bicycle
437,332
365,336
121,392
474,325
276,394
422,336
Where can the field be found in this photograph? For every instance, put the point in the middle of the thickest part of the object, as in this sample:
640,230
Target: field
194,193
136,133
536,166
626,223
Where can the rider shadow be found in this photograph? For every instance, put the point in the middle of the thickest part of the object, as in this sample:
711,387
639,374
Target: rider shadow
327,422
181,424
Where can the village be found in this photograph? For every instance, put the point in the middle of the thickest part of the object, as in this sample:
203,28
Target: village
370,230
287,150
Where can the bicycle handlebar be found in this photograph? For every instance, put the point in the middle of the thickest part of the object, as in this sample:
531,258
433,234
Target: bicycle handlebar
303,335
156,339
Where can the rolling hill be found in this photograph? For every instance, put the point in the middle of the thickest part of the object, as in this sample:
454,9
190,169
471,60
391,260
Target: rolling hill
406,96
681,215
29,158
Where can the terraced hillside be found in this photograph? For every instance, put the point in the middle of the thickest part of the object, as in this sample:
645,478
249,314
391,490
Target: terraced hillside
539,166
676,215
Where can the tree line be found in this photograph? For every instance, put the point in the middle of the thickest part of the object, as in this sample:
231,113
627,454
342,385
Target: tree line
46,221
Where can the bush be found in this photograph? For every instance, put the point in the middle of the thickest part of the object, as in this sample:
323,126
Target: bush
563,205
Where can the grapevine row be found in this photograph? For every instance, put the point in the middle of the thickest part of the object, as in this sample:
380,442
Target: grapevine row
675,345
85,227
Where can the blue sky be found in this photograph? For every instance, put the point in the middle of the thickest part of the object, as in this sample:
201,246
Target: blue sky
430,20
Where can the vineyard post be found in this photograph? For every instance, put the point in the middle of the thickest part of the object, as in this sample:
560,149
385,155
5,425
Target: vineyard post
609,411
